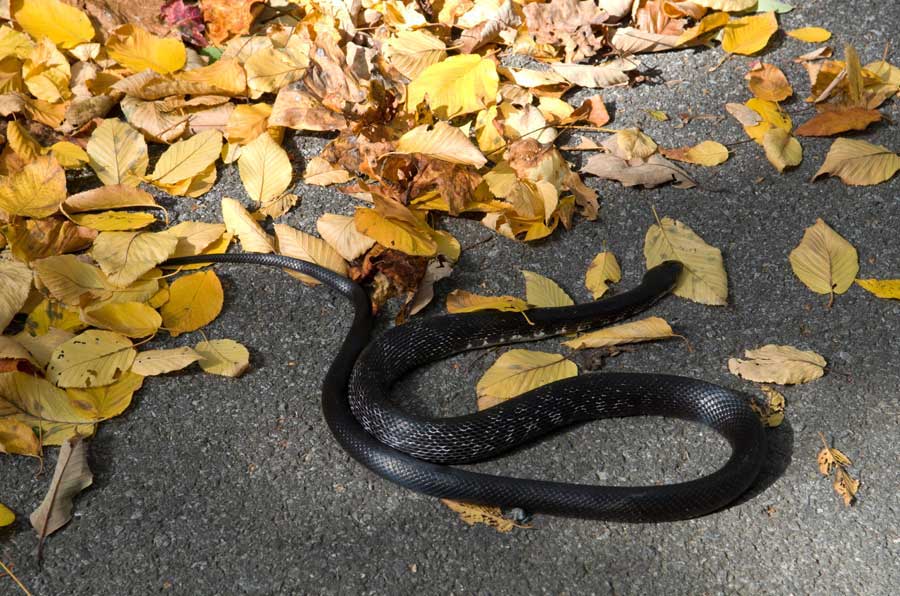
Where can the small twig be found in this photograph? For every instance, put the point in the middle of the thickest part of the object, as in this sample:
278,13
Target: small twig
15,579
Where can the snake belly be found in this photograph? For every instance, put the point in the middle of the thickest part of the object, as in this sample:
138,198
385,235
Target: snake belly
415,452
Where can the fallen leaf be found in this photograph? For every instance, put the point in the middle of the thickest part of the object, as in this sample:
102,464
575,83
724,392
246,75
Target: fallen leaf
394,226
108,401
71,280
64,25
859,163
443,141
824,261
224,357
321,173
194,237
882,288
748,35
158,362
543,292
703,278
596,76
6,516
411,52
38,404
118,153
707,153
227,18
186,159
743,114
782,149
37,190
810,34
649,173
771,412
455,86
71,476
303,246
195,300
518,371
771,116
832,122
340,232
706,25
460,301
93,358
239,222
833,460
17,438
15,285
131,319
783,365
126,256
264,168
768,82
112,196
649,329
604,268
567,24
473,514
137,50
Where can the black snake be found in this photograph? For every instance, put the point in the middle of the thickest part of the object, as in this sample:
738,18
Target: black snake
414,452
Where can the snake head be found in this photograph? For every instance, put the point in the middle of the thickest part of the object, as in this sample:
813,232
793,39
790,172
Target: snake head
665,274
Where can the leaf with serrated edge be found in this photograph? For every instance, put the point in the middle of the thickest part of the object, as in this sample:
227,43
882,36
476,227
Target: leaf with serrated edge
859,163
39,404
649,329
91,359
15,284
472,514
518,371
195,300
224,357
264,168
604,268
126,256
703,279
459,301
158,362
783,365
824,261
239,222
541,291
118,153
303,246
71,476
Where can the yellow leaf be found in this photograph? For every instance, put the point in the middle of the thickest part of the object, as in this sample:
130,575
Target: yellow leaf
64,25
882,288
195,186
459,301
91,359
118,153
831,459
707,153
340,232
394,226
321,173
824,261
131,319
15,285
22,142
411,52
783,365
43,342
185,159
768,82
541,291
239,222
707,24
633,143
195,300
69,155
859,163
46,73
194,237
17,438
71,280
649,329
137,50
771,412
608,74
519,371
49,316
125,256
114,221
703,279
114,196
157,362
264,168
603,268
270,69
771,116
223,357
6,516
103,403
303,246
472,514
458,85
782,149
37,403
810,34
748,35
37,190
247,121
727,5
444,141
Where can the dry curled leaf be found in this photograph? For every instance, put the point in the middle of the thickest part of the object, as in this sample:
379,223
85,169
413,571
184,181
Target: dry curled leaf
771,411
783,365
71,476
832,460
473,514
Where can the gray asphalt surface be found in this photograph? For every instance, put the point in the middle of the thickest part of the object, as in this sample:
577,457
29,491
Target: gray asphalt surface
218,486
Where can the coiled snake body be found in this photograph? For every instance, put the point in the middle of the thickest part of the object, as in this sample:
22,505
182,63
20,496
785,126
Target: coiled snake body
414,452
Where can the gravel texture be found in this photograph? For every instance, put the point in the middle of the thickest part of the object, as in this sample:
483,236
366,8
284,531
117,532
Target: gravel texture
219,486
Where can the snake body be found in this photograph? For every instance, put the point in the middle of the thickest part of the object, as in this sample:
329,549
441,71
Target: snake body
414,452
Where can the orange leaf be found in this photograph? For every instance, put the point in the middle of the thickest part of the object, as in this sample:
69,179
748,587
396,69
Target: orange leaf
227,18
836,121
768,82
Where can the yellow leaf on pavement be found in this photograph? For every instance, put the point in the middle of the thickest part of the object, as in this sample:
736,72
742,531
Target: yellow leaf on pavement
541,291
443,141
771,412
39,404
71,476
194,237
703,279
91,359
195,300
131,319
17,438
69,155
458,85
15,285
321,173
824,261
188,158
748,35
239,222
114,221
459,301
810,34
707,153
65,25
6,516
649,329
118,153
340,232
707,24
782,149
882,288
113,196
264,168
223,357
472,514
519,371
247,121
125,256
139,50
37,190
604,268
108,401
157,362
303,246
833,460
270,69
784,365
395,226
859,163
768,82
771,116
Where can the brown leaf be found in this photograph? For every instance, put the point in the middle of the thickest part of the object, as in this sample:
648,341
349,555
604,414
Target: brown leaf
482,514
768,82
838,120
227,18
567,24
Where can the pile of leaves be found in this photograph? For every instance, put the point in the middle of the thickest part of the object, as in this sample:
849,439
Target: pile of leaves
427,117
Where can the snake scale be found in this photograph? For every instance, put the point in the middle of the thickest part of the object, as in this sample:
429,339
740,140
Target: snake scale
415,452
